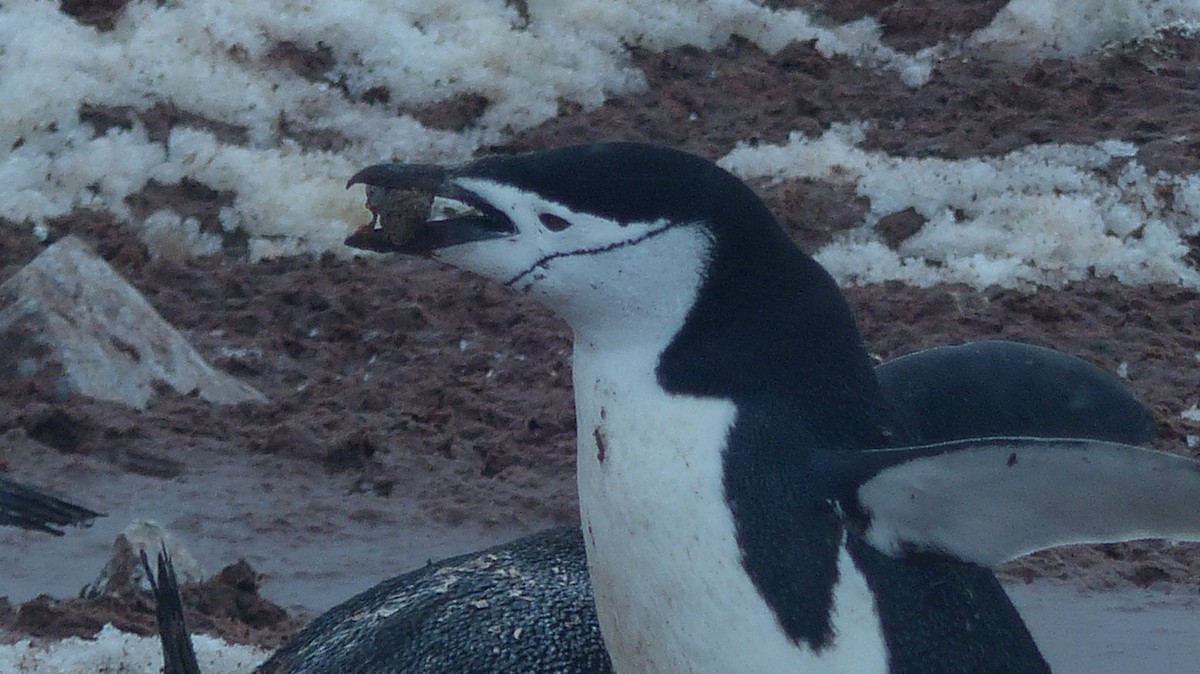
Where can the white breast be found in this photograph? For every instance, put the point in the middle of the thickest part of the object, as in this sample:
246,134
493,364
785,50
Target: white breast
670,589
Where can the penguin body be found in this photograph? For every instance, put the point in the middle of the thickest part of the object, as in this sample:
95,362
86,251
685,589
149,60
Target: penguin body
732,434
537,587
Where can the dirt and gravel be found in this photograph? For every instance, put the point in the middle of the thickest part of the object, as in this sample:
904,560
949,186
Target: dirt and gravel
400,379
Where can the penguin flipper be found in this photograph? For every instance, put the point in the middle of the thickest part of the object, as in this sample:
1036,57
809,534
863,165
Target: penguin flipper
994,499
178,654
29,507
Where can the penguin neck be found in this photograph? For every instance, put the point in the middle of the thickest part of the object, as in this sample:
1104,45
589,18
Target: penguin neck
771,329
754,343
750,320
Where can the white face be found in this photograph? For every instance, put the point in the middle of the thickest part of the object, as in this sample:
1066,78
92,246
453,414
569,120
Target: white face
601,275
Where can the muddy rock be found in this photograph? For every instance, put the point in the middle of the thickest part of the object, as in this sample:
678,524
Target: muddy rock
68,313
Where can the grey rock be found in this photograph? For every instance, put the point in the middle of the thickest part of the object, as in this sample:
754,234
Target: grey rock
69,312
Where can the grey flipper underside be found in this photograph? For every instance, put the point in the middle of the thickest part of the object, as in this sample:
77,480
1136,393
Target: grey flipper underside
991,500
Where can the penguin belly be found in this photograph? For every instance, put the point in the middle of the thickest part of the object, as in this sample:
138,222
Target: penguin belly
671,591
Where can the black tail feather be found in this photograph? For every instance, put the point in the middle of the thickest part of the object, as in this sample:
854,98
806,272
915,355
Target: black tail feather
28,507
178,655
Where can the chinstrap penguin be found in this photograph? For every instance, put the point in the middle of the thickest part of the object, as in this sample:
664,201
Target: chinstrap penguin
748,500
526,606
923,645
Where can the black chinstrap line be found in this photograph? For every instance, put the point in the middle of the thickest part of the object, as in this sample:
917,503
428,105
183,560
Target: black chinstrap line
592,251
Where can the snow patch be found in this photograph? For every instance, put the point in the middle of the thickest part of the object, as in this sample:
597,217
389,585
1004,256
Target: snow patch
1026,30
218,60
1041,215
112,651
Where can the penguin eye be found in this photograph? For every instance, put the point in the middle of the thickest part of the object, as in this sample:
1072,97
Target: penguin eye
553,222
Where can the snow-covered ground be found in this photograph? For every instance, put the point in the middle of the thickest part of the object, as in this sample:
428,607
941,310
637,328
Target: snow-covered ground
214,58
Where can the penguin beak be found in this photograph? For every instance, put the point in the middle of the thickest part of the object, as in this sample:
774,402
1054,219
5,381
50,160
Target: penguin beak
416,209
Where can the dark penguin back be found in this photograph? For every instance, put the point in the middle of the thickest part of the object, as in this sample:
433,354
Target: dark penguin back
523,607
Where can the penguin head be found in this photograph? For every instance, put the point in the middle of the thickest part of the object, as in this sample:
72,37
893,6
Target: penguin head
646,249
601,233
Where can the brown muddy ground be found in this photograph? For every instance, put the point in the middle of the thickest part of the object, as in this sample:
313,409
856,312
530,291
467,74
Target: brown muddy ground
397,381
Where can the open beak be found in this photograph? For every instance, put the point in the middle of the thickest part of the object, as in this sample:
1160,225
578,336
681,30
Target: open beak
417,209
